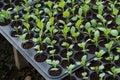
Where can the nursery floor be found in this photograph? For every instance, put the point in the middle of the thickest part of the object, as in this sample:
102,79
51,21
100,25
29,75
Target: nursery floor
8,70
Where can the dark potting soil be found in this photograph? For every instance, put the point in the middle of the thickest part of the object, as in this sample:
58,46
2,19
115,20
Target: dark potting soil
66,63
94,76
55,72
79,72
40,57
69,78
27,45
5,23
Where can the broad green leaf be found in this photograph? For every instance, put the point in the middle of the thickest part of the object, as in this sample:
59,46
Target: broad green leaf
118,20
114,32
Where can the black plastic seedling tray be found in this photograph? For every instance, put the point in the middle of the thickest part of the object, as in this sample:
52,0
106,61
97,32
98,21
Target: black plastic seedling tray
29,54
43,67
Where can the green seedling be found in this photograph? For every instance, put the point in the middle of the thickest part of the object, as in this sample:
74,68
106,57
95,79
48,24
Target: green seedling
109,45
89,29
78,25
62,4
96,37
39,51
52,53
54,64
83,62
49,4
102,19
50,42
65,31
101,76
84,76
118,49
83,46
74,33
48,12
112,58
70,69
67,45
4,15
97,68
69,54
114,71
99,55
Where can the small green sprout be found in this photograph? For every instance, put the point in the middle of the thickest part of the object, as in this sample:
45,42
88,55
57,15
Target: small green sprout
83,62
65,31
52,53
96,37
101,76
50,42
67,45
84,75
97,68
99,55
74,33
70,69
109,45
89,29
112,58
62,4
114,71
69,54
54,63
4,15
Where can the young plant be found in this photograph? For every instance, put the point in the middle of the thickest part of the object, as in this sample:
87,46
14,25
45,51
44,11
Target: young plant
99,55
112,58
94,23
49,4
70,69
97,68
78,25
69,54
109,45
85,8
66,15
39,51
118,49
67,45
65,31
72,2
50,42
89,29
96,37
22,37
84,75
100,7
101,76
83,62
16,9
106,32
27,26
39,39
62,4
115,11
40,24
52,53
83,46
102,19
48,12
114,71
74,33
51,27
54,63
4,15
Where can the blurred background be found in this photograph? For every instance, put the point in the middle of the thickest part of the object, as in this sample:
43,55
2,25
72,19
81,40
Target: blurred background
8,70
